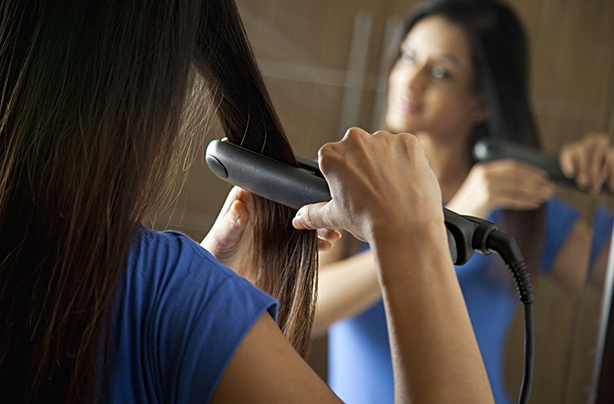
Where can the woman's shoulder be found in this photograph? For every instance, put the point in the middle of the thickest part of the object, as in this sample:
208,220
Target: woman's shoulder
175,251
161,262
179,317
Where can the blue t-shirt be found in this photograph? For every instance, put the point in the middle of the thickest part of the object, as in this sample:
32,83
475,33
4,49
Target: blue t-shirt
359,364
179,318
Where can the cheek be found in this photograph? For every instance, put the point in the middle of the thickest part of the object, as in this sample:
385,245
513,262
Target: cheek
453,103
450,113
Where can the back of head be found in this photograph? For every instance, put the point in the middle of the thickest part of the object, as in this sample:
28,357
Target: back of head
87,136
500,58
93,102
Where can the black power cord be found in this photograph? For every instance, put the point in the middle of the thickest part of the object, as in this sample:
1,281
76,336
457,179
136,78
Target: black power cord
507,248
473,234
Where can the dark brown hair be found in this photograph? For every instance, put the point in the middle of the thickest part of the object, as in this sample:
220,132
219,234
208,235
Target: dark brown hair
500,56
249,119
93,102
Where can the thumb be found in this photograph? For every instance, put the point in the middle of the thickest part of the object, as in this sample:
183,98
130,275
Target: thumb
566,164
313,217
322,216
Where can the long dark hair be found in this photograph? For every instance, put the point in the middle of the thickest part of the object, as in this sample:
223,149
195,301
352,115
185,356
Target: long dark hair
249,119
95,95
500,59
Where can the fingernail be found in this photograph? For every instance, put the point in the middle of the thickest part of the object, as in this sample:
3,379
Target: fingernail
338,233
297,222
234,213
324,245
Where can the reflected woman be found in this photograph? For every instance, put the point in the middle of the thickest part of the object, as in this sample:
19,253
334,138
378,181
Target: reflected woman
460,74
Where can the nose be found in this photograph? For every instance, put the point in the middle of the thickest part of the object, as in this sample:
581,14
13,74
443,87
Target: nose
416,78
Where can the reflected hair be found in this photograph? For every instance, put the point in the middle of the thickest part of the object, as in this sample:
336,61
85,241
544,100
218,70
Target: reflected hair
499,52
95,98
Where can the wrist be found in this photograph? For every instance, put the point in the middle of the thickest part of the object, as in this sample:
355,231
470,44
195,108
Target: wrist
420,242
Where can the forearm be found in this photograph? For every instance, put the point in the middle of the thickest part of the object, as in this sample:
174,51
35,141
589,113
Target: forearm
346,288
435,355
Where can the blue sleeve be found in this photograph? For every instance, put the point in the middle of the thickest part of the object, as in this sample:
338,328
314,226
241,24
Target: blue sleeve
181,319
560,219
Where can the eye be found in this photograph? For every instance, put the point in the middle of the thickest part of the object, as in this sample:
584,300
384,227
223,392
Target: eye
439,72
408,57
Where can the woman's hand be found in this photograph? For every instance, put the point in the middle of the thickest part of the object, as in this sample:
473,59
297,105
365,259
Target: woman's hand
380,184
501,184
384,192
230,238
590,160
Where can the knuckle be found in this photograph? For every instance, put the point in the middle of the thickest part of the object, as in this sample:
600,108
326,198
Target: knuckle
306,219
352,134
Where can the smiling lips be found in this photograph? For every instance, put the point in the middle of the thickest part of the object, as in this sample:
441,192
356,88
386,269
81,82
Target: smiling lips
407,105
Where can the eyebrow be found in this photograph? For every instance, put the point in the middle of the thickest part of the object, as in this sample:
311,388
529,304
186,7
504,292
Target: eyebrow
452,59
405,46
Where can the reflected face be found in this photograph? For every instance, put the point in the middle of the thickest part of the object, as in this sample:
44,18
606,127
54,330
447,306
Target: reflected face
431,88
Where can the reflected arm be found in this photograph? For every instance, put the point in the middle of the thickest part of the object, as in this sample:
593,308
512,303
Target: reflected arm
347,287
569,269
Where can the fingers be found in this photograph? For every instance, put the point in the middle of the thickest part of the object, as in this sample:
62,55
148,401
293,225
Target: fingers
515,183
326,238
367,174
313,217
303,220
571,163
235,194
227,230
226,240
329,234
586,160
502,184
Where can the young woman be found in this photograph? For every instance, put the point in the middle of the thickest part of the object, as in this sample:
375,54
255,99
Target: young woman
99,98
460,74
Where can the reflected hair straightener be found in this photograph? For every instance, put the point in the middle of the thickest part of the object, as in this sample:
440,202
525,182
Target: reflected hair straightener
496,149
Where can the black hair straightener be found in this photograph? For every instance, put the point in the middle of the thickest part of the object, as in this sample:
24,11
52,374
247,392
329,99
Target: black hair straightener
495,149
299,186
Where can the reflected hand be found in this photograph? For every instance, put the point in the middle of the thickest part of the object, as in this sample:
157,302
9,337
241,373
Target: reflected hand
590,161
501,184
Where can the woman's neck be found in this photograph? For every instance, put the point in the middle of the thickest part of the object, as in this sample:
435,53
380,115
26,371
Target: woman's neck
449,160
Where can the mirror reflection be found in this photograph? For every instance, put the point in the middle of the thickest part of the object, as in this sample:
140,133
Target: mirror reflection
536,75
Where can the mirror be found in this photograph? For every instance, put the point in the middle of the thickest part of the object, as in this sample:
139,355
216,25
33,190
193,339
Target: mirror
323,64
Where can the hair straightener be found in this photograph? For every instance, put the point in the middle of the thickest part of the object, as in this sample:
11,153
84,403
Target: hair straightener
298,186
495,149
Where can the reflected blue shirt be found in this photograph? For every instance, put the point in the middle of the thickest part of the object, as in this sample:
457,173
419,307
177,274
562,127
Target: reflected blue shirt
359,364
